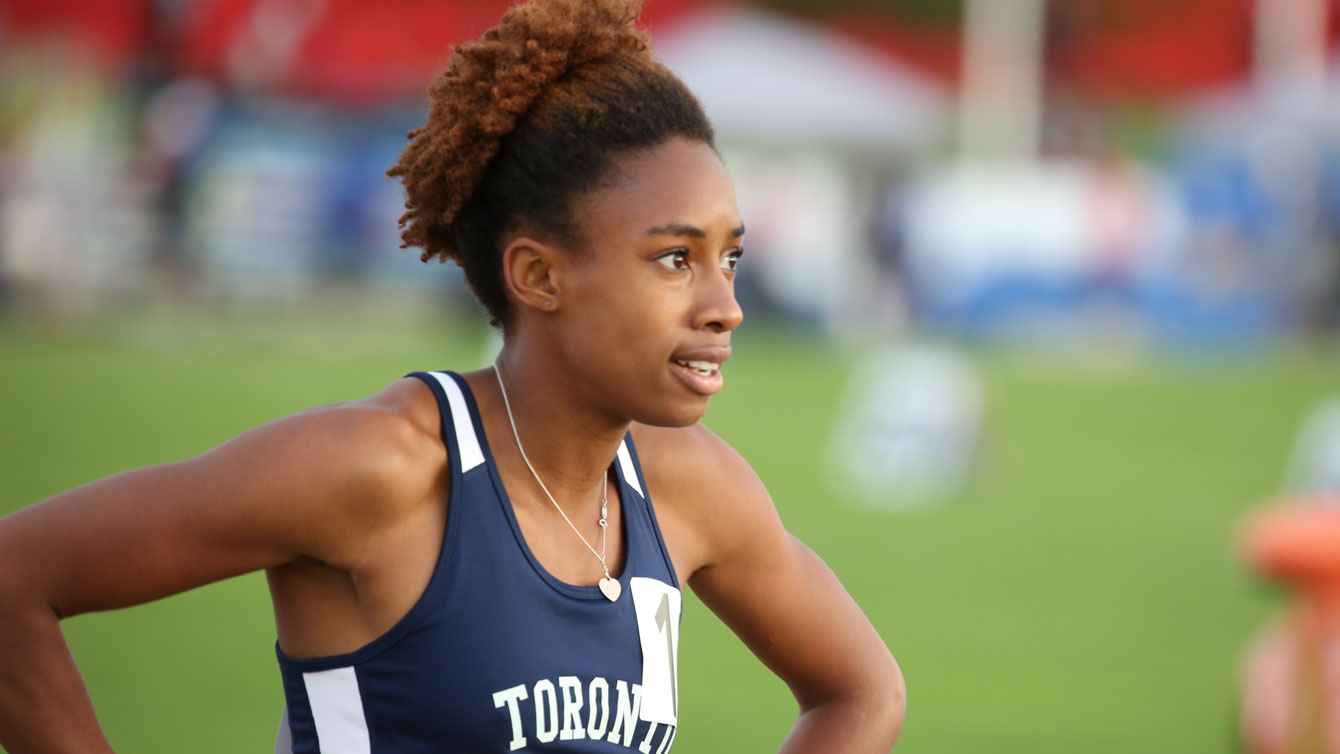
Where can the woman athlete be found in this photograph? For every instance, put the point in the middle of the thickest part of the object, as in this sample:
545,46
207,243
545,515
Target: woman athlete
472,563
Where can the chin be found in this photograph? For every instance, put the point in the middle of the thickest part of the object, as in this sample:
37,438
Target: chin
685,414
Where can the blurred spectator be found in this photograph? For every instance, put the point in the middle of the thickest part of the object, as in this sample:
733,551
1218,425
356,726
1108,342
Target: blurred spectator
888,246
1291,674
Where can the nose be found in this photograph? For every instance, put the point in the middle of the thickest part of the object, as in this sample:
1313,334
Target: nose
717,310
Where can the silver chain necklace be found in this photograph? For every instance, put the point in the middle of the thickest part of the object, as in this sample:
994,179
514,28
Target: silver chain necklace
609,587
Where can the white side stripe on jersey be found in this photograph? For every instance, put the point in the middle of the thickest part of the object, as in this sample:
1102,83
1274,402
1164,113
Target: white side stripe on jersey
467,444
284,739
337,710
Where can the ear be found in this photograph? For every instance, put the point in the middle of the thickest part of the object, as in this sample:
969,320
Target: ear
531,273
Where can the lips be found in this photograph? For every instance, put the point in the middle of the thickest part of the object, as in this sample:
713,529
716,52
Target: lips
714,355
700,368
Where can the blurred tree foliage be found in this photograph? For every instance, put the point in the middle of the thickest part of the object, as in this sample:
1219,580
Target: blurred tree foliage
923,12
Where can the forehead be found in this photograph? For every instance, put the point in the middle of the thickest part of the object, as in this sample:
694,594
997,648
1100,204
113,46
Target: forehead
679,182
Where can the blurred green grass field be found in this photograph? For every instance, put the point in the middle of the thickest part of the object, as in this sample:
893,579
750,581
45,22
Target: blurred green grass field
1082,596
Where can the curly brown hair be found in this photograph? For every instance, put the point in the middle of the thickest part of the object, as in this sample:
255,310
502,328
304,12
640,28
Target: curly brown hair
523,120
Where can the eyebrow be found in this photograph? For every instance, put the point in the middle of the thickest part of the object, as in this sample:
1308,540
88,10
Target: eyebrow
682,229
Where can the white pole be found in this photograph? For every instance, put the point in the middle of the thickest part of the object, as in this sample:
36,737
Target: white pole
1289,49
1000,110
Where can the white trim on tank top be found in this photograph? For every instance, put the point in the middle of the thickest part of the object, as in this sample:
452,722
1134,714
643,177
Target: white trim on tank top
467,443
629,471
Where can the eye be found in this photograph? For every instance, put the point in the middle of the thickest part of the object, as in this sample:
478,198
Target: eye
732,259
678,259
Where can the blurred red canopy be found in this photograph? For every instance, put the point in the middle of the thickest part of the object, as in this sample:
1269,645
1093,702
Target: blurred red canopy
347,48
352,49
112,30
1149,48
371,51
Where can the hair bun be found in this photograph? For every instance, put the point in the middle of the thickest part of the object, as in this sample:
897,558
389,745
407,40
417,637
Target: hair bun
489,85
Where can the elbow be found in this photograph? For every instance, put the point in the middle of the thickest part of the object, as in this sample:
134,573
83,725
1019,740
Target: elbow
22,599
892,697
866,715
880,704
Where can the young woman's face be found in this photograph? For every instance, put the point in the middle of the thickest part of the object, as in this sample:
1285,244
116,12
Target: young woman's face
648,309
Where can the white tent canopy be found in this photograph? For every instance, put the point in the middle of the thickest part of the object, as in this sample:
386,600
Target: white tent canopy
761,75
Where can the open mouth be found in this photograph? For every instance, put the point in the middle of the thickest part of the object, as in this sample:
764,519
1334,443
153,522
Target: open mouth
701,377
703,368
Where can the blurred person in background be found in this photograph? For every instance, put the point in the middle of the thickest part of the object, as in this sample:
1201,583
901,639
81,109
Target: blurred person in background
1291,671
436,585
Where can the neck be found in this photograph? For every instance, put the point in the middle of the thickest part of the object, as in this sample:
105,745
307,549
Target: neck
568,441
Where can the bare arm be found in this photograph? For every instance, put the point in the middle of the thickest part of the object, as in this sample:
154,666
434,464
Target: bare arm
797,618
301,486
786,605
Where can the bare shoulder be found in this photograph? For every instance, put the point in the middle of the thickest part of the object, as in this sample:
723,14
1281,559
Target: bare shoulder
371,456
391,434
707,496
321,483
690,459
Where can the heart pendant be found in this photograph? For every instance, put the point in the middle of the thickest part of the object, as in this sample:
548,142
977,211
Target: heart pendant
611,589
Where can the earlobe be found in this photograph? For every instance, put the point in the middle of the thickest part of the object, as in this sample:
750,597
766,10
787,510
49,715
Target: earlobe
530,273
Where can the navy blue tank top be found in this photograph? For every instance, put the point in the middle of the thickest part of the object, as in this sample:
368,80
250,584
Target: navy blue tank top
499,655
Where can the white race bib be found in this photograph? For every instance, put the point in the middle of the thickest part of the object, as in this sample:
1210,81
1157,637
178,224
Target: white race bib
658,605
